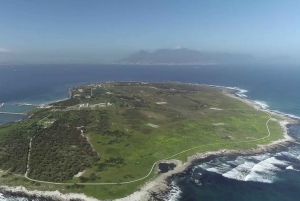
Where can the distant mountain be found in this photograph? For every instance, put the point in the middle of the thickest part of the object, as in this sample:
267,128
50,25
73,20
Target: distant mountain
183,56
138,56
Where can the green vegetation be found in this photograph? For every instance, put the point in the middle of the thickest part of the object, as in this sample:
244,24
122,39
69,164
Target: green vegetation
59,152
114,132
14,145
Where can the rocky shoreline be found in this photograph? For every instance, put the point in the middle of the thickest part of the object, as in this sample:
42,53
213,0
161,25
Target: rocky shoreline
152,190
162,184
208,156
161,189
43,195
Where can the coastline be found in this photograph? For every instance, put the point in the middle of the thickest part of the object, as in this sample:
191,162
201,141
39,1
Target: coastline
160,184
157,187
64,99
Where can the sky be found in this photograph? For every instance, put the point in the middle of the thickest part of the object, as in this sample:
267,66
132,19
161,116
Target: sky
97,31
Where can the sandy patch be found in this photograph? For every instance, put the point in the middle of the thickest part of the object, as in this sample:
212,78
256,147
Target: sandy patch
284,128
153,115
152,125
161,103
214,108
219,124
79,174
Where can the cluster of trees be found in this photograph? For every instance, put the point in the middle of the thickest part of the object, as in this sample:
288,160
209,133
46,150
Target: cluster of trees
14,148
131,100
77,118
91,178
103,124
117,133
118,136
68,102
141,103
128,83
111,162
179,87
75,186
198,103
60,152
99,92
169,92
103,127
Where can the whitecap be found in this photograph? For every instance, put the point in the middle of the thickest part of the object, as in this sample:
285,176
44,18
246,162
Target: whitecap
286,114
259,168
2,198
264,171
213,169
239,172
216,166
261,104
174,193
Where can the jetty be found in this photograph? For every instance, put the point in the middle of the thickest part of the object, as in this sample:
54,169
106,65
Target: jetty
28,104
16,113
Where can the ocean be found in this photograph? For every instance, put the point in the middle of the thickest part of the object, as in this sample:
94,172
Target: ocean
270,176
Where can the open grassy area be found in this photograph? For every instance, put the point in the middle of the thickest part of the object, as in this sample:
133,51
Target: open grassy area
130,126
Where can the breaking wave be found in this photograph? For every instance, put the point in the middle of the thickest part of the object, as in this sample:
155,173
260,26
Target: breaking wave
258,168
14,198
174,193
263,168
261,104
241,93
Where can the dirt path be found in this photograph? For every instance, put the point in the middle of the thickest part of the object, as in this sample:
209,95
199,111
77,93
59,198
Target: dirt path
154,164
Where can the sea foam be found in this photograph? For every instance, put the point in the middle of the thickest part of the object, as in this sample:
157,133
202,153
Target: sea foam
174,193
258,168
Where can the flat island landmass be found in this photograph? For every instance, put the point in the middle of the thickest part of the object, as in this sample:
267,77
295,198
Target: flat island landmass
108,139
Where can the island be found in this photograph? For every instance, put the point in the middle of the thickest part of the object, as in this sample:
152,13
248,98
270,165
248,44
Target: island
116,139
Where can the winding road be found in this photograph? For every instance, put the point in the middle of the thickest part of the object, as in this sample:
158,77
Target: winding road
153,166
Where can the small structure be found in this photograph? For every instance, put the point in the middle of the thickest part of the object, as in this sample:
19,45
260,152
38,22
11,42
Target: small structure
83,105
101,105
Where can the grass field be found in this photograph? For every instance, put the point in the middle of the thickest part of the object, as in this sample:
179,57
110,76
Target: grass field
132,125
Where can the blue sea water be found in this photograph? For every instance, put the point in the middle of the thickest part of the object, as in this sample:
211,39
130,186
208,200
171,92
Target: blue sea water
273,176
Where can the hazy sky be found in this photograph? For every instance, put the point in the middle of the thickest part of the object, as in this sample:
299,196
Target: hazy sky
94,31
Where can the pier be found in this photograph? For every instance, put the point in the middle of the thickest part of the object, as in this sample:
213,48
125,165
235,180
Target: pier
28,104
15,113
